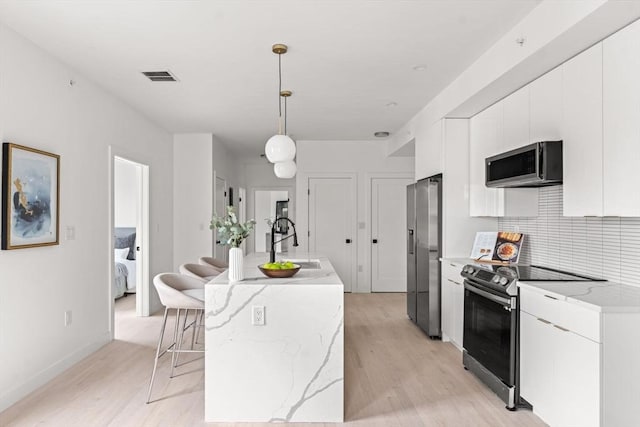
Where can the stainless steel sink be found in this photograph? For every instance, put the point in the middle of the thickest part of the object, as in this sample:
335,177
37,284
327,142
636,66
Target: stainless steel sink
307,263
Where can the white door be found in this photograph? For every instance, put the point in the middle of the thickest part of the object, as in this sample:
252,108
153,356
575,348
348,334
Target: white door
332,228
220,208
388,234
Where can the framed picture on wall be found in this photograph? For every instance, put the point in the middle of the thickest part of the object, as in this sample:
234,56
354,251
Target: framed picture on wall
30,197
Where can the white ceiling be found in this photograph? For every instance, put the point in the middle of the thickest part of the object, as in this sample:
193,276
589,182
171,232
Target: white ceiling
347,59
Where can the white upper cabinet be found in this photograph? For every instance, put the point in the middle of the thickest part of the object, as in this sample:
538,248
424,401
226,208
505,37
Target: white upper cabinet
582,133
545,114
516,120
486,136
502,127
621,116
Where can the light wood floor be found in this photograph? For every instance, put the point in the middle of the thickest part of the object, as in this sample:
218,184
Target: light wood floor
395,376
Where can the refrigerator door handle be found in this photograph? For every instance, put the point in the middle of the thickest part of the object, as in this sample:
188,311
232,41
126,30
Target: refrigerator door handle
410,242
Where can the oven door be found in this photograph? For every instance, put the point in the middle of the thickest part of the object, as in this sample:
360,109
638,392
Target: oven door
489,331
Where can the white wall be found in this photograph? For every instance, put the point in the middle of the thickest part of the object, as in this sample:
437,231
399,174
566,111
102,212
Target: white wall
39,108
364,158
126,179
198,158
192,197
226,165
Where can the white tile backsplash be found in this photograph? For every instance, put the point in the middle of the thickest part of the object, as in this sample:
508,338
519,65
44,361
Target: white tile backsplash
603,247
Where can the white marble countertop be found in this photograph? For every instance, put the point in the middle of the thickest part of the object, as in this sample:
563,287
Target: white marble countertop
325,275
461,261
608,297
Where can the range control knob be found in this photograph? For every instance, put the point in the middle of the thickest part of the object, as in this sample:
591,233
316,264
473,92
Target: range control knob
470,270
496,279
504,281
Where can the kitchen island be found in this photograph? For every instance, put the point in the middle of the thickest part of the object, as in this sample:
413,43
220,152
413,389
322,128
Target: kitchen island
289,369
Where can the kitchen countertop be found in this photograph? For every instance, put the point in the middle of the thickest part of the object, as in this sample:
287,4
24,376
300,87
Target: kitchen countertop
461,261
325,275
609,297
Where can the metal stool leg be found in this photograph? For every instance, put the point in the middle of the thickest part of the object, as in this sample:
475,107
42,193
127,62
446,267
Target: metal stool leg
175,341
176,351
200,325
155,363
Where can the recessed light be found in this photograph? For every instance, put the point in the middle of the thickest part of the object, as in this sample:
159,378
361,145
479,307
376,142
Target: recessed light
391,104
420,68
381,134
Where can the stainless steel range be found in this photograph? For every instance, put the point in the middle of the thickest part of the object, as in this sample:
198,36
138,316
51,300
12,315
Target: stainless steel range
491,318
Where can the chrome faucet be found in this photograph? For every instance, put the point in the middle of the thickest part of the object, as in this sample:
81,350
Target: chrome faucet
272,255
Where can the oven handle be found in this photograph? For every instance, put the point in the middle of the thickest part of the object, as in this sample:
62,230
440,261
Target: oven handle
495,298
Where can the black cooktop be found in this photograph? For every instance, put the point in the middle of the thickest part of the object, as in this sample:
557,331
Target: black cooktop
534,273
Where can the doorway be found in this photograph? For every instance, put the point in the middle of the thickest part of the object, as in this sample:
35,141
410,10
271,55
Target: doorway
332,224
388,233
267,205
220,251
128,235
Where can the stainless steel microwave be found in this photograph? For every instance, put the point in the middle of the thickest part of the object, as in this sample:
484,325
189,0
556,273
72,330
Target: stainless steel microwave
535,165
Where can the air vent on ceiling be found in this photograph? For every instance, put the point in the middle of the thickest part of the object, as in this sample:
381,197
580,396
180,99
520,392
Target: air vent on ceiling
160,76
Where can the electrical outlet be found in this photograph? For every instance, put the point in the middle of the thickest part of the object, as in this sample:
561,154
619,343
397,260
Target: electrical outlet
68,318
257,315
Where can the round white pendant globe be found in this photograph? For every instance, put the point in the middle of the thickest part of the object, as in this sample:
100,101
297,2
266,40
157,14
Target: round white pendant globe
280,148
286,169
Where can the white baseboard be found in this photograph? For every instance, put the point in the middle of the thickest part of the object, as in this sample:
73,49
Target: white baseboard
12,396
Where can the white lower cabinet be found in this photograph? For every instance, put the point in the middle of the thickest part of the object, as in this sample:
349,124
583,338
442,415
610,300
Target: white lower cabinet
559,373
577,365
452,303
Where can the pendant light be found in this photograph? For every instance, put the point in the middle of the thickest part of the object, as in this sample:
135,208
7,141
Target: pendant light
288,168
280,147
285,170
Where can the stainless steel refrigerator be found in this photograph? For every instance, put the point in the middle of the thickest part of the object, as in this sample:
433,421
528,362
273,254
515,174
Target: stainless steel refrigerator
424,249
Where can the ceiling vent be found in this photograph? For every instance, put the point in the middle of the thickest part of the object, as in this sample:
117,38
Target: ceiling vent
160,76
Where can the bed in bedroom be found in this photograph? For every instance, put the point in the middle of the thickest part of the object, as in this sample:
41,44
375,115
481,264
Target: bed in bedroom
125,261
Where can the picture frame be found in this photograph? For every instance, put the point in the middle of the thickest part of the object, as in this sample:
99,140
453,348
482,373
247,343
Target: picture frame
30,197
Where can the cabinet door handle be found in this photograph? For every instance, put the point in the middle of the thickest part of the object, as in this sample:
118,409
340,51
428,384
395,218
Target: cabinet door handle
347,241
453,265
454,282
550,297
544,321
561,328
375,240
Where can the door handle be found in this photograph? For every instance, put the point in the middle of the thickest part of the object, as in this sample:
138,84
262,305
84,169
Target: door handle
375,240
347,241
137,248
217,242
410,242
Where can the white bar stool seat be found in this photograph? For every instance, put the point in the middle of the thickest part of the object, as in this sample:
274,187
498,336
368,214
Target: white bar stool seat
215,263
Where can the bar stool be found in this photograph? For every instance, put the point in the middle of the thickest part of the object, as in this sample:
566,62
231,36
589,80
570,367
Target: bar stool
199,271
181,293
207,260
